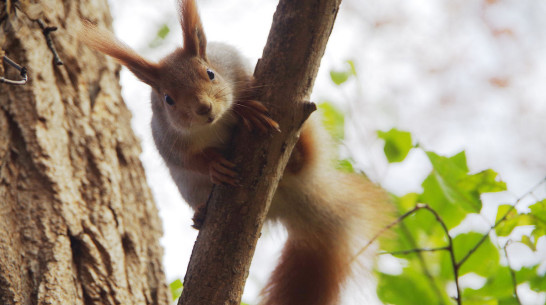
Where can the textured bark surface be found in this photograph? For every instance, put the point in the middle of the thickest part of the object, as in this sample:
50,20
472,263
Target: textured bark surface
224,248
78,224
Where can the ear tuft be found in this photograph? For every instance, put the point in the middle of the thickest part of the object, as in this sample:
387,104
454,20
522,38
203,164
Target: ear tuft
195,42
105,42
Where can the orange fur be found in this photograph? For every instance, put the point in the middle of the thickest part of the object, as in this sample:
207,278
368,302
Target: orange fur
105,42
329,215
309,273
195,41
303,153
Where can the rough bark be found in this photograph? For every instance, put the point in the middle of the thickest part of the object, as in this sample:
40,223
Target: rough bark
223,251
77,221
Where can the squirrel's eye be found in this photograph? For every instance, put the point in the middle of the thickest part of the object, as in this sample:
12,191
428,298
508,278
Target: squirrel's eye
169,100
210,74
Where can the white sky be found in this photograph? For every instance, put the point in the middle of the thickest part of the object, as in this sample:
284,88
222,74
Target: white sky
458,74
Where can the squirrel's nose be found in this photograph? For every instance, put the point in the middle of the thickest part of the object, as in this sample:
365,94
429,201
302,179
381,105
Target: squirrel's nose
204,109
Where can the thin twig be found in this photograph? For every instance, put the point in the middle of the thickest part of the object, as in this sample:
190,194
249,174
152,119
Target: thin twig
503,218
424,264
416,250
392,224
449,247
22,72
512,273
458,298
46,30
456,265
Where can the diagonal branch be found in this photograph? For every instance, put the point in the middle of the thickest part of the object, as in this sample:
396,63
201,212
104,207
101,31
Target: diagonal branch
285,75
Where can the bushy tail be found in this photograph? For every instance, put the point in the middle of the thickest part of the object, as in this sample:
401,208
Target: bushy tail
310,272
329,216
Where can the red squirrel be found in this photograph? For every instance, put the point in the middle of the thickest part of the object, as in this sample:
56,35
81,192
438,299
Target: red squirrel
199,92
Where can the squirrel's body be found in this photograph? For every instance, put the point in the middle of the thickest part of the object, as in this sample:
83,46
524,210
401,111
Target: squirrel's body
175,145
199,93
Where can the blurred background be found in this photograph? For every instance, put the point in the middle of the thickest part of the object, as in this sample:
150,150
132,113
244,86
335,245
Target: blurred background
459,75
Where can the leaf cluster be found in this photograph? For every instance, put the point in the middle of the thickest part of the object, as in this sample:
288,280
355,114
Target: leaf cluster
433,258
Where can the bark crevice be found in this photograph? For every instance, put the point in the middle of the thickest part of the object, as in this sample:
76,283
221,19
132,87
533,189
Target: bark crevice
71,181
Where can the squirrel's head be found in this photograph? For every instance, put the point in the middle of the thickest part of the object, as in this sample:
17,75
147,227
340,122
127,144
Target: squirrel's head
192,93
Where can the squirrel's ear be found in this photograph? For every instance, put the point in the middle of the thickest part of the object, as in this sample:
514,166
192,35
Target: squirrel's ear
195,41
105,42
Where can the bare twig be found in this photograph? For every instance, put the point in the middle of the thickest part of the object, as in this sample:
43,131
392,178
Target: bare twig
512,273
385,229
416,250
46,30
456,265
503,218
22,72
449,247
424,265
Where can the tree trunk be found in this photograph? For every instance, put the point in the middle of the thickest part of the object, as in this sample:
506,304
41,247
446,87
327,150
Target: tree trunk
78,224
223,251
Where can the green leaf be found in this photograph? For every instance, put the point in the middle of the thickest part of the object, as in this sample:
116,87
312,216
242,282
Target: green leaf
509,301
408,201
449,190
176,289
409,288
536,217
526,240
512,220
419,230
537,282
481,301
345,165
538,214
339,77
352,65
333,120
498,285
505,209
397,144
537,233
483,182
163,31
505,228
447,166
538,210
434,194
161,34
483,261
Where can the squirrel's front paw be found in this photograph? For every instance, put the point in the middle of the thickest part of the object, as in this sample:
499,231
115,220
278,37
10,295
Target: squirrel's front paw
199,216
221,171
255,115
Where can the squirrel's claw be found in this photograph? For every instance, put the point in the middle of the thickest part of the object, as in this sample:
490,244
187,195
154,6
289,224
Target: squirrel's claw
221,171
199,216
222,174
255,114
